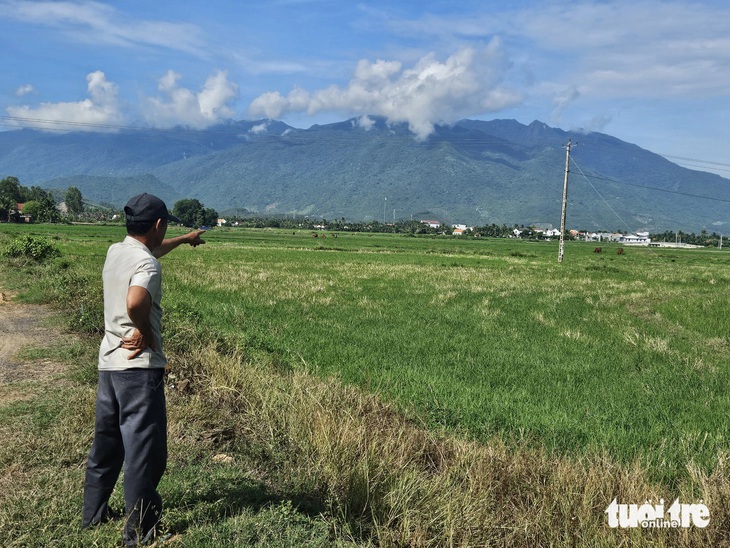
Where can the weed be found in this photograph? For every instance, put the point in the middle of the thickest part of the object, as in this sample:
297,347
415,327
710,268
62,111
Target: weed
504,401
32,248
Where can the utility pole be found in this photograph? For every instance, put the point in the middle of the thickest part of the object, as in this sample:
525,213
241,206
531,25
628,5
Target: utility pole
561,248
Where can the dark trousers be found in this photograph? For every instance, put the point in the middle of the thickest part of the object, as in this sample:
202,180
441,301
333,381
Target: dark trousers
130,429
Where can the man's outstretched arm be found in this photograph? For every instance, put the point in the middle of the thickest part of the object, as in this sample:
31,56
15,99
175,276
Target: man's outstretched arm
168,244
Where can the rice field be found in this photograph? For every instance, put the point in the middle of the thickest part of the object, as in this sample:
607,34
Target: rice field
604,356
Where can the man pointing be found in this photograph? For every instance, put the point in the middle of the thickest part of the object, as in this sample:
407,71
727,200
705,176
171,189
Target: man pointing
131,419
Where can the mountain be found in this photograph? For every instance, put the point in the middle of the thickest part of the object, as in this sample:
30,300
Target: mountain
473,172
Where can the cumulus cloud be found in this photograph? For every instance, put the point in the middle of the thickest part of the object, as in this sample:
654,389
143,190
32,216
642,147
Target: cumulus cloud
181,106
259,128
99,110
431,92
24,90
365,122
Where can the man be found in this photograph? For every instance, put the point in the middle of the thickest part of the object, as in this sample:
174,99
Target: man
131,419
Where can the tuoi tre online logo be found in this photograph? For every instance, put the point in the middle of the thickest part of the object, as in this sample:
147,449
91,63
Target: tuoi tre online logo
650,516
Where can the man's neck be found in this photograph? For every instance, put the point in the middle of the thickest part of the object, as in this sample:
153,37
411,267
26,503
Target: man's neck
145,239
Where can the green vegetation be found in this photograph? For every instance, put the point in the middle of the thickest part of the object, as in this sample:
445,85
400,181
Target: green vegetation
42,205
407,390
474,172
192,213
74,201
30,247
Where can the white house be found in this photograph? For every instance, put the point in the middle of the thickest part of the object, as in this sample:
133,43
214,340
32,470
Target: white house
635,239
432,224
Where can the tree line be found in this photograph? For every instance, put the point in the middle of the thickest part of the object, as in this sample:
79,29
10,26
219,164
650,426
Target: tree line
41,206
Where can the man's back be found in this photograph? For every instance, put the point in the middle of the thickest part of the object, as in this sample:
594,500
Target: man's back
129,263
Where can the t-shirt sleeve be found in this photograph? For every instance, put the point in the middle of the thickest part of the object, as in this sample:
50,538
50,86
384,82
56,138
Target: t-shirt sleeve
147,275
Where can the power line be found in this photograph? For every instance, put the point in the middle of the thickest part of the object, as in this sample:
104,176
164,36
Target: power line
696,160
617,182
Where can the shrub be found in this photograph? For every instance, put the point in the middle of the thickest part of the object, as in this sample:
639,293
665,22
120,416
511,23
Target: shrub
30,247
81,297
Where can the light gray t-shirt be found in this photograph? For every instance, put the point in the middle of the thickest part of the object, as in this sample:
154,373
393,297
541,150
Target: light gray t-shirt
129,263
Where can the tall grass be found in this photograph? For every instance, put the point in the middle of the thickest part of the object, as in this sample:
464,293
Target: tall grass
464,392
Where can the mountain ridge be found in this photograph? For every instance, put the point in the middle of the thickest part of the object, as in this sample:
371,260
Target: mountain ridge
473,172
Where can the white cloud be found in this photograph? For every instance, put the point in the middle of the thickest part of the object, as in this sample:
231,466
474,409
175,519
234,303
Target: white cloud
102,109
365,122
563,101
259,128
180,106
24,90
635,49
92,114
432,91
101,24
618,50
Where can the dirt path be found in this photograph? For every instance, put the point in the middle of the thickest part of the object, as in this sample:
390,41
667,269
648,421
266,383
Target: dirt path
24,326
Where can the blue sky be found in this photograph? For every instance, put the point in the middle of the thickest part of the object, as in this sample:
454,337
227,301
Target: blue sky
654,73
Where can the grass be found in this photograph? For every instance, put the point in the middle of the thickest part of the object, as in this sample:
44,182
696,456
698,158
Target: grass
415,391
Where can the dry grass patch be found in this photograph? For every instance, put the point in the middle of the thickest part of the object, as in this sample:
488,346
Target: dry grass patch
400,484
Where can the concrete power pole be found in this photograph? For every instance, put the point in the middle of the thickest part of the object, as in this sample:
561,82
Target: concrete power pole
561,248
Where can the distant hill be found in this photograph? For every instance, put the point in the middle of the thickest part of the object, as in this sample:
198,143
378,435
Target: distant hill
474,172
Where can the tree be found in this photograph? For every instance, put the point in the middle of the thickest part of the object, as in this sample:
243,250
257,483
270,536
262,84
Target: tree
33,209
192,213
10,188
7,206
74,200
207,216
10,194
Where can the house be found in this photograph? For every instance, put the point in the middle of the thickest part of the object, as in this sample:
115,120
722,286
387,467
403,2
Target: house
16,215
635,239
221,222
459,230
432,224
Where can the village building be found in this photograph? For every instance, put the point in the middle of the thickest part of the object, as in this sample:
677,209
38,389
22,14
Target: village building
641,238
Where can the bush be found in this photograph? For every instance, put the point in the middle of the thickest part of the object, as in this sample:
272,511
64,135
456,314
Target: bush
30,247
81,297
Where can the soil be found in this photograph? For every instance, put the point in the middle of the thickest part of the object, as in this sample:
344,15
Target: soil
24,326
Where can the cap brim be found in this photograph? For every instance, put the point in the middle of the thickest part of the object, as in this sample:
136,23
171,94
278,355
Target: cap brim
172,218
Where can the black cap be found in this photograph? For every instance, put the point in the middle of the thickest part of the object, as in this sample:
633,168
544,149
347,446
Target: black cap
146,207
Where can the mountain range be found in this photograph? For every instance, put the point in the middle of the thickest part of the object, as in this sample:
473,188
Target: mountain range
473,172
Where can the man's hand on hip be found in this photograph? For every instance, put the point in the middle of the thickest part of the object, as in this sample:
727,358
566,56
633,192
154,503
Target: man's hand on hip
137,343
